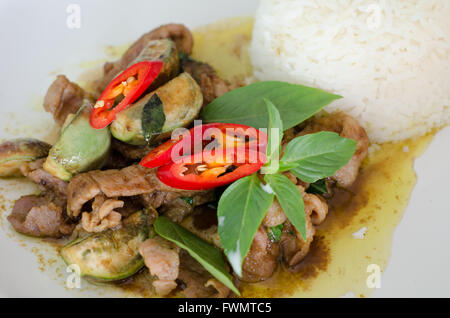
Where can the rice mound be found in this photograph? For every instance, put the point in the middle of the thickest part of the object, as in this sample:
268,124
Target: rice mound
390,59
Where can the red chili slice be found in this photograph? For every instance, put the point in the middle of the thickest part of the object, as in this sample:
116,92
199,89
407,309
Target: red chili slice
207,175
193,140
131,83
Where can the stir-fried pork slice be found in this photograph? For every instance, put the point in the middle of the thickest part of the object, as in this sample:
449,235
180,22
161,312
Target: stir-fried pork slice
211,84
130,181
38,216
176,32
262,259
126,182
103,215
300,183
293,247
345,126
82,188
316,207
63,98
275,215
162,259
46,181
43,215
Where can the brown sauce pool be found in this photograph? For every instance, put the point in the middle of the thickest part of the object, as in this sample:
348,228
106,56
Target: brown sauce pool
338,260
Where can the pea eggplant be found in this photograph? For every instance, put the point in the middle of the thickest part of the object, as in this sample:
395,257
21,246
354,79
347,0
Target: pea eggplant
14,153
111,255
176,104
163,50
79,148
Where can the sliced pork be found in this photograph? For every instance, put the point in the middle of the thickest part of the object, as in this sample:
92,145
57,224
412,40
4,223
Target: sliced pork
103,215
262,259
130,181
162,259
39,216
294,248
211,84
46,181
63,98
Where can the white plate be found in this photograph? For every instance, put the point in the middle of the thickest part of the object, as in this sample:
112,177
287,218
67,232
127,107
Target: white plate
37,44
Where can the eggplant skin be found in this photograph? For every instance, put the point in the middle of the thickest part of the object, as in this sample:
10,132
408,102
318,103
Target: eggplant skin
13,153
112,255
182,101
79,148
163,50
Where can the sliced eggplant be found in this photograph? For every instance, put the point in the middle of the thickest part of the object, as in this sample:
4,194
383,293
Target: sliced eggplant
163,50
79,148
175,105
111,255
14,153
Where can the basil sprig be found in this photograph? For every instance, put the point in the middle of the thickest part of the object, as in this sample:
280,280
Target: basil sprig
206,254
244,204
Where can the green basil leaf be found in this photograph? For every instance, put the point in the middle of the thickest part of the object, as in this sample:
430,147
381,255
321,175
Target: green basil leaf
209,256
241,209
245,105
274,134
317,156
153,117
318,187
290,199
275,233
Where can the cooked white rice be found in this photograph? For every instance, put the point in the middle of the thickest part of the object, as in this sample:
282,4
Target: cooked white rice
390,59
